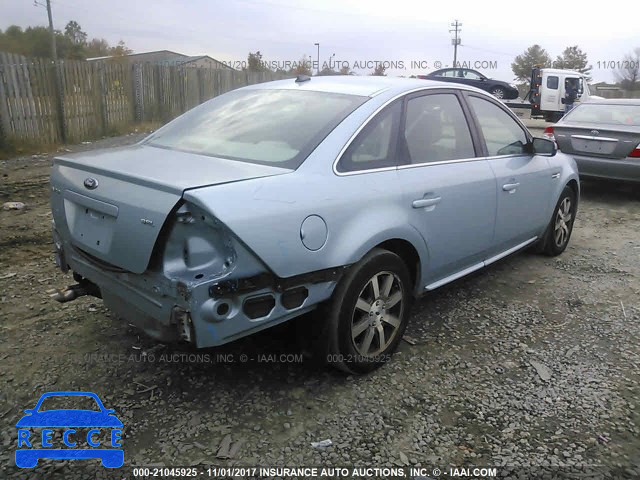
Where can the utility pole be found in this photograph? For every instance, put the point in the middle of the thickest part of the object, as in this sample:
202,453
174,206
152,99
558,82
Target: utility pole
455,40
54,52
318,66
57,71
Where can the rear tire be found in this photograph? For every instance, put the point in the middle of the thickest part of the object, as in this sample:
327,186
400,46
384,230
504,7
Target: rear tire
368,313
558,233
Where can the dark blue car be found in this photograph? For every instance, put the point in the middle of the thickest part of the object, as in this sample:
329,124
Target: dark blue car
466,76
31,449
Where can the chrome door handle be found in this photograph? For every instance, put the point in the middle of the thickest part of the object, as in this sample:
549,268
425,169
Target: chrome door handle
510,187
556,175
426,202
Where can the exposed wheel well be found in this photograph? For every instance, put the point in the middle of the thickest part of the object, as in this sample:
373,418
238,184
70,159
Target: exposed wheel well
407,252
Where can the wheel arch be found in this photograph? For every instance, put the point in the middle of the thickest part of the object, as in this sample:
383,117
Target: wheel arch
575,186
409,255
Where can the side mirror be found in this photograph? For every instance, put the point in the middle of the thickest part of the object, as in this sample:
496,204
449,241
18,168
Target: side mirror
543,146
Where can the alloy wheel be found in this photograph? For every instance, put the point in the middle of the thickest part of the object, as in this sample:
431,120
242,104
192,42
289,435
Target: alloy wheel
562,224
377,314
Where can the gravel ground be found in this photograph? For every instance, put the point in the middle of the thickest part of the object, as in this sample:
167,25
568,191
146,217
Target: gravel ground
530,363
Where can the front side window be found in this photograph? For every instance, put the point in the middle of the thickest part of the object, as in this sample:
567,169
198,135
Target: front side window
502,134
269,127
374,147
436,129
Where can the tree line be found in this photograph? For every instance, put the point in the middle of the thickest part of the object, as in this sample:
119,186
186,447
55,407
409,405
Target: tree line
573,58
72,43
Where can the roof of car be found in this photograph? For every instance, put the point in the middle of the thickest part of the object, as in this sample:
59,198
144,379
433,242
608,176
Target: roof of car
368,86
560,71
613,101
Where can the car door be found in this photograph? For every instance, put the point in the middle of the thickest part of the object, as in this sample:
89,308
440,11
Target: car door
474,79
449,192
524,180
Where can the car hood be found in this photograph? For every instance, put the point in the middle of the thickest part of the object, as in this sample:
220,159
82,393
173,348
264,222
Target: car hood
69,418
112,204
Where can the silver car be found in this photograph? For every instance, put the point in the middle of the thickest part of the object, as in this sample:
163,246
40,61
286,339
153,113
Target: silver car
603,136
347,196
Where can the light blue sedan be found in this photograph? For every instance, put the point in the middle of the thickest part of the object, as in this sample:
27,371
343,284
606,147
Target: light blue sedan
348,196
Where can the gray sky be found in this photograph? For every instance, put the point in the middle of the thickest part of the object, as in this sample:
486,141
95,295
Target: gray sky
355,30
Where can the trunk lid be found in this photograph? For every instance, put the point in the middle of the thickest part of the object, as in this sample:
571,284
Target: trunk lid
597,140
112,203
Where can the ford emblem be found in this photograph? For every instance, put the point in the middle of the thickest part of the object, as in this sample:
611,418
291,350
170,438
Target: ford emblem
91,183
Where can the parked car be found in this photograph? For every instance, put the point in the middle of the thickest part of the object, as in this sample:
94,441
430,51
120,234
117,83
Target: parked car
347,194
466,76
603,136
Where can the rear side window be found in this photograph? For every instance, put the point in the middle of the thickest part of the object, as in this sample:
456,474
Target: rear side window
472,75
502,134
436,129
552,82
374,147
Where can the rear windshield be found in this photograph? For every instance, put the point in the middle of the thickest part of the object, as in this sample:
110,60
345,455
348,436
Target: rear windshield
605,114
270,127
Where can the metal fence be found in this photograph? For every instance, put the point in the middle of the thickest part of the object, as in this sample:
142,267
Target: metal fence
90,100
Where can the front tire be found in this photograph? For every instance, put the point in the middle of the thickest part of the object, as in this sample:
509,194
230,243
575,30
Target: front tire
368,313
498,92
559,230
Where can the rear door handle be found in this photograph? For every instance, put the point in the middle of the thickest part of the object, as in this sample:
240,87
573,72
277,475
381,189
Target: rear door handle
556,175
426,202
510,187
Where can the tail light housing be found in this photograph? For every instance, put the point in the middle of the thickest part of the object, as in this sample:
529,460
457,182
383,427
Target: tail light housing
548,133
635,152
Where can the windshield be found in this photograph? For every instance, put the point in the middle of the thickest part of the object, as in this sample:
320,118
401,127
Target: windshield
75,402
605,114
271,127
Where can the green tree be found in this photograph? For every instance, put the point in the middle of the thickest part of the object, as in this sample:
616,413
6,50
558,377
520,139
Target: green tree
120,50
255,62
328,71
379,71
345,71
573,58
74,32
75,41
533,56
97,47
72,44
303,67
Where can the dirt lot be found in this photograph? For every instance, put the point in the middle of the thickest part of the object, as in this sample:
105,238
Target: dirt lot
530,363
